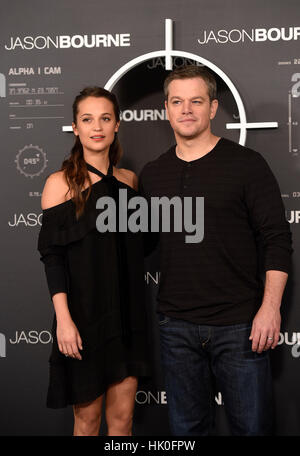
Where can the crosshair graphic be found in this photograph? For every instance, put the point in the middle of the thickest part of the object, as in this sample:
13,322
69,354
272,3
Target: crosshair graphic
168,53
292,123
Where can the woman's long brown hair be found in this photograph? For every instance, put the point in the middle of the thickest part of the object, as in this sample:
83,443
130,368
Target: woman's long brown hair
74,166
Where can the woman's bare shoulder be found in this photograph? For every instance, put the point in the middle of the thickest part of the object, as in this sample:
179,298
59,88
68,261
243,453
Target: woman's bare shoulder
128,177
55,190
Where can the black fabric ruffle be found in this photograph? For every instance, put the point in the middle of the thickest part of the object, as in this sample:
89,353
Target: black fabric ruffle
61,228
59,224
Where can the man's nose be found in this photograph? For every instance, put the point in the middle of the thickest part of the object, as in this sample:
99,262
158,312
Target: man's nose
186,107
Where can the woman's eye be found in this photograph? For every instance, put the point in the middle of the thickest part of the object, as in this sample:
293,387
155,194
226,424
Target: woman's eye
86,119
106,119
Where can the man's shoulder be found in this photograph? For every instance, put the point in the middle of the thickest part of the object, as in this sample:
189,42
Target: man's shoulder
243,157
239,151
158,163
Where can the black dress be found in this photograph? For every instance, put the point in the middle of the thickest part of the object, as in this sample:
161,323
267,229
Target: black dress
102,274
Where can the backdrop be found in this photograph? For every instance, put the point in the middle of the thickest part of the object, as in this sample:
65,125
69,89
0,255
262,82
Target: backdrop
48,53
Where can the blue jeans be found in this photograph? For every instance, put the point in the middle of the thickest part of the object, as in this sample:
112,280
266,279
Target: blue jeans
198,361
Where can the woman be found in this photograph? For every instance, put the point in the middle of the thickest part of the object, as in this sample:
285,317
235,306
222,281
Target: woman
95,279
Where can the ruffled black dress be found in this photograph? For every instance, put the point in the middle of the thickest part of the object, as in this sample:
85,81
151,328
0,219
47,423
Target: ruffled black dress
102,274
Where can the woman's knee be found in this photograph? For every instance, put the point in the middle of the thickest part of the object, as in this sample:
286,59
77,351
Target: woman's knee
87,417
120,421
120,400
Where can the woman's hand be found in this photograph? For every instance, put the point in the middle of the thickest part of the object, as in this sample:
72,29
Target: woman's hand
68,338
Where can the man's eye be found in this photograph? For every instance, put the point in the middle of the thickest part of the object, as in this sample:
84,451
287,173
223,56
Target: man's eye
176,101
86,119
106,119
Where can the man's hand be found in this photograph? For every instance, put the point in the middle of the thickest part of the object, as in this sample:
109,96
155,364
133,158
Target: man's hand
265,328
266,324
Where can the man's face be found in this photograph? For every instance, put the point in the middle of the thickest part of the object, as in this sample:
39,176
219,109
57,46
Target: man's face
188,107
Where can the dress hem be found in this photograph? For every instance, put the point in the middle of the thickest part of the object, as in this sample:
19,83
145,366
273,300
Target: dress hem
141,373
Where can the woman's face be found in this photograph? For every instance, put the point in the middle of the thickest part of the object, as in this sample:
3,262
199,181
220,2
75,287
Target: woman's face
96,124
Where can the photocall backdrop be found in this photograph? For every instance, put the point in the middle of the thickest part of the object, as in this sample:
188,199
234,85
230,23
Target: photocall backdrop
48,53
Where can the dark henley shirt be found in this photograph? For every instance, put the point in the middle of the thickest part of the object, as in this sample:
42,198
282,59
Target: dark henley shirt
218,280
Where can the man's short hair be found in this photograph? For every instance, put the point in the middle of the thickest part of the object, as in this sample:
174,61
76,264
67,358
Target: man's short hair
189,72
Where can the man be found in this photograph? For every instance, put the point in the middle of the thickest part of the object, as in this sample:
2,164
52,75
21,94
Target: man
217,318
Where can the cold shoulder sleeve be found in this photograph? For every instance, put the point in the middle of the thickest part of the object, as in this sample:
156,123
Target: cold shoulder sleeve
53,259
60,228
52,254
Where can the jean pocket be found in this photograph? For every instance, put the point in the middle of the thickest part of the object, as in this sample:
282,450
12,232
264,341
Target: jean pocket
241,346
162,319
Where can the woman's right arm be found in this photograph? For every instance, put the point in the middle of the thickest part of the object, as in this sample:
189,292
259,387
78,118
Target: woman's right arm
68,337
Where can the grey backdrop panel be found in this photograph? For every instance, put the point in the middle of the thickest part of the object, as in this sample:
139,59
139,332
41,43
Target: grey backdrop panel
38,82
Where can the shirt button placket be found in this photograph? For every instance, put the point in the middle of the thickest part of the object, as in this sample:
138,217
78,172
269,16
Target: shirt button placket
186,176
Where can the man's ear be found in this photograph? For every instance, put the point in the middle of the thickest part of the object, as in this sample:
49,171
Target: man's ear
213,108
166,107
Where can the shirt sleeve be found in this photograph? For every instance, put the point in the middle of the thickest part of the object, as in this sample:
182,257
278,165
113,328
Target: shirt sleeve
53,251
267,215
54,262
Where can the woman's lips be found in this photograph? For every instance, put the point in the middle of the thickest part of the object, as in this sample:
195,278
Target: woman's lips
97,137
